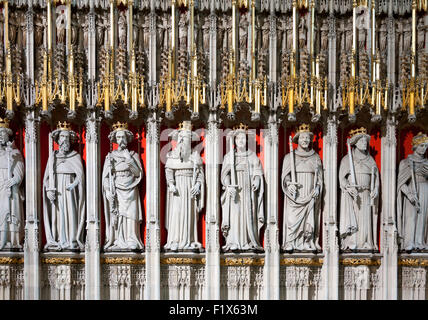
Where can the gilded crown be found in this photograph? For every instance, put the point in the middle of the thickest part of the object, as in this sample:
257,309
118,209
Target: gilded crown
303,128
63,126
419,139
120,126
4,123
185,125
241,126
356,132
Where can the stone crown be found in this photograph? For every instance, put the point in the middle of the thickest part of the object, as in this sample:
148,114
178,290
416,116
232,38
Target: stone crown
120,126
63,126
356,132
419,139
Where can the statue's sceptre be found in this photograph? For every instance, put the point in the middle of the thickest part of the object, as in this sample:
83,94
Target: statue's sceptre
293,167
232,168
51,169
351,165
9,176
414,187
112,190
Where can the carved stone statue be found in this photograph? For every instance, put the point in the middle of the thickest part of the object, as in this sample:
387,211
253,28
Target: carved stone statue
324,35
412,197
359,183
64,193
407,35
363,25
242,199
421,34
122,173
243,36
303,33
265,29
185,198
11,197
383,36
61,22
302,181
183,30
206,33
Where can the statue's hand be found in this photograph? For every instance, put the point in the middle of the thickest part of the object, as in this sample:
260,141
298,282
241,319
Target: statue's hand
292,189
231,191
9,183
172,188
316,191
51,195
413,199
109,196
71,186
256,183
196,190
374,194
352,191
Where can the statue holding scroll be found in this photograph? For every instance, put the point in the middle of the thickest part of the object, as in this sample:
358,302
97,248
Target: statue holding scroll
121,175
64,193
11,197
242,199
412,197
302,182
359,183
185,198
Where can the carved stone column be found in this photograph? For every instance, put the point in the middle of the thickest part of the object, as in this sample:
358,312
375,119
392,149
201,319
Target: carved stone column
332,56
330,269
32,178
212,169
33,208
271,171
330,242
153,208
212,267
389,245
391,55
93,183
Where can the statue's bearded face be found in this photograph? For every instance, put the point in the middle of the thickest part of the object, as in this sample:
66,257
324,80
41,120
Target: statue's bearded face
421,149
241,140
4,137
64,141
121,139
362,144
304,140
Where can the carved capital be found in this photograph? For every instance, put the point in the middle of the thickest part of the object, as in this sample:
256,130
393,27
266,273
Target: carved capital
92,134
31,129
152,126
331,137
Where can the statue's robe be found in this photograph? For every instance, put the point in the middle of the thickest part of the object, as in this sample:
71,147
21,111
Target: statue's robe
358,219
65,219
412,225
11,208
240,218
123,227
182,211
302,214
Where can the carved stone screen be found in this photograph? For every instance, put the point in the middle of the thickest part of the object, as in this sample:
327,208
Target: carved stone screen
222,149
